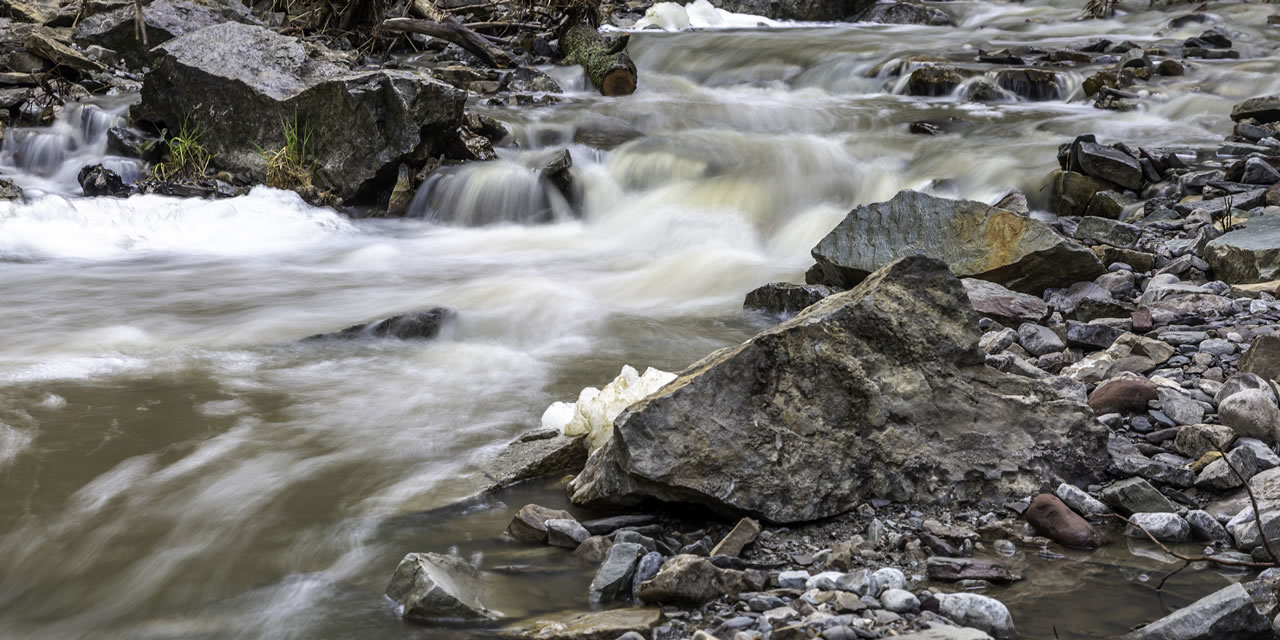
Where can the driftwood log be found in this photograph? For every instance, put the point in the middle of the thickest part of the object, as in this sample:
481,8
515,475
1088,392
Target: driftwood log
450,30
605,60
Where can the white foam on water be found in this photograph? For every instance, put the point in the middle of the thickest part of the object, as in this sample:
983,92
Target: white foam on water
12,443
263,222
700,14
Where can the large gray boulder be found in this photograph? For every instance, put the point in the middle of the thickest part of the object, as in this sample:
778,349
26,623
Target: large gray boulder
808,10
975,240
877,392
1246,255
240,85
164,20
1227,613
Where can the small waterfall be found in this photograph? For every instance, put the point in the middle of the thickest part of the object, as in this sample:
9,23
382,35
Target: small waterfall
489,193
47,159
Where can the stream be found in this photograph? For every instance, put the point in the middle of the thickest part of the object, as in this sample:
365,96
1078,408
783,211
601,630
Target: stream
174,464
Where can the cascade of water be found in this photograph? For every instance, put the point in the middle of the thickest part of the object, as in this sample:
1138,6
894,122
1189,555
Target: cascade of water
47,159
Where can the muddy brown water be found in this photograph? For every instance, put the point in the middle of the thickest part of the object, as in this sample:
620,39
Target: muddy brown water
173,465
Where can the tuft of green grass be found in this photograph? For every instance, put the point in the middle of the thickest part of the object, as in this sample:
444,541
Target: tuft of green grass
188,157
289,167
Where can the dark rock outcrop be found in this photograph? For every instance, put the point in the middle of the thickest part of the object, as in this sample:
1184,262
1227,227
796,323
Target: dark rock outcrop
240,85
97,180
785,298
164,20
877,392
974,239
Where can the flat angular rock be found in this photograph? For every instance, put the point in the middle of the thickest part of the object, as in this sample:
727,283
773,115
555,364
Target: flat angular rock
1265,110
613,580
1109,164
743,534
566,533
1227,613
587,625
1193,441
1263,358
1136,495
878,392
431,587
1227,472
784,298
1165,527
1246,255
957,569
975,239
530,522
693,580
1004,305
164,21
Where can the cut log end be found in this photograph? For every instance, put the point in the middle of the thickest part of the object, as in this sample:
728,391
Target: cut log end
619,82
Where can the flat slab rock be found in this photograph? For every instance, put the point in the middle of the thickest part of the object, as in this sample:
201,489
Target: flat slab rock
877,392
1247,255
586,625
975,240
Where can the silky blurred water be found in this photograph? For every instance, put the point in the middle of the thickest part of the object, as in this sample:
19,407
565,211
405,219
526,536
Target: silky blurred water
174,464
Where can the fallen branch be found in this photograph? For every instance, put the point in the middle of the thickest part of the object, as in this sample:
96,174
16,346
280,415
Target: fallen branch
606,62
450,31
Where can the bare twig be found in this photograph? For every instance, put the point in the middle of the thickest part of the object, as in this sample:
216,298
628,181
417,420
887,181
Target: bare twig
139,24
450,31
1257,513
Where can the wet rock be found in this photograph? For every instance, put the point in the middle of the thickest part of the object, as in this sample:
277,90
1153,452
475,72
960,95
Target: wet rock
613,580
603,526
1135,495
784,298
10,190
1252,413
593,550
1123,393
1193,441
1054,520
1109,164
957,569
589,625
1165,527
242,83
534,458
743,534
693,580
907,13
604,132
97,180
979,612
415,325
1003,305
566,533
1072,193
133,143
934,81
1264,110
973,238
164,21
431,587
1031,84
1227,613
1248,254
530,523
1263,358
904,342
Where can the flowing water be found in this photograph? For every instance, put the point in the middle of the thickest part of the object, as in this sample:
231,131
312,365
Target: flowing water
174,464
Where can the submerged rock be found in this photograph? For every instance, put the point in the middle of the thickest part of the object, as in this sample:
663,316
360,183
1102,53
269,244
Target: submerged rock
431,587
974,239
240,85
878,392
415,325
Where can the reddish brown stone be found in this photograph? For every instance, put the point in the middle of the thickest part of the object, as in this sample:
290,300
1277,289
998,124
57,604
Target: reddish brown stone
1056,521
1121,394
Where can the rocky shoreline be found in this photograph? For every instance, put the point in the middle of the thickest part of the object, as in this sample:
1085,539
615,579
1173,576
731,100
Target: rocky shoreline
1108,331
